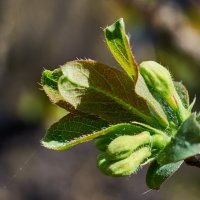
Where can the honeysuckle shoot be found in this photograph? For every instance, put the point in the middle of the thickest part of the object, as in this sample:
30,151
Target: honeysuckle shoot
136,115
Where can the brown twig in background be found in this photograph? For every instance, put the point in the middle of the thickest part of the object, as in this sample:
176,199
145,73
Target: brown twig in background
193,161
169,18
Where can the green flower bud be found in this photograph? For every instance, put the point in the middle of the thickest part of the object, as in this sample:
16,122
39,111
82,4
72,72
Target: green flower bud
123,146
160,84
159,79
123,167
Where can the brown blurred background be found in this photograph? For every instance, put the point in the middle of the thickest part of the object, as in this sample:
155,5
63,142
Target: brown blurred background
42,34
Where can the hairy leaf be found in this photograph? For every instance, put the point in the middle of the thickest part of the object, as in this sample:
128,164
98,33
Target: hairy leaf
98,89
74,129
157,174
118,43
186,142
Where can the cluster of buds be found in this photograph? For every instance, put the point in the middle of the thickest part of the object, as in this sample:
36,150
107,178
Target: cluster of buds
124,155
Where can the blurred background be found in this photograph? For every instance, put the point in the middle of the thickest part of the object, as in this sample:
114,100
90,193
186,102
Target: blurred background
42,34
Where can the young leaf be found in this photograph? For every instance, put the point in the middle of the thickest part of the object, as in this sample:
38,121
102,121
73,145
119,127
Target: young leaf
186,142
157,174
49,82
98,89
118,43
155,108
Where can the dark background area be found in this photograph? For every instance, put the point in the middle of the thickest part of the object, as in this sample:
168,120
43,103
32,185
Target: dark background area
45,34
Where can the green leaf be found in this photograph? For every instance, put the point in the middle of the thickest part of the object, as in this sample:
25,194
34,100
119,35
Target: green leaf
186,142
157,174
49,82
183,94
101,90
118,43
72,130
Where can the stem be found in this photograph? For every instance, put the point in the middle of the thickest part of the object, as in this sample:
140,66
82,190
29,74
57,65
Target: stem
151,129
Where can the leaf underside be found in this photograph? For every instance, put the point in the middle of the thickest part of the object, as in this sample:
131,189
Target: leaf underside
95,88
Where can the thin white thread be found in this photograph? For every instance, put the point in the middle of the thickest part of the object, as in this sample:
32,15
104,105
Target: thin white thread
146,192
20,169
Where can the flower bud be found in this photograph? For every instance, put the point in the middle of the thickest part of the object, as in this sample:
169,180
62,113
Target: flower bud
123,167
123,146
160,84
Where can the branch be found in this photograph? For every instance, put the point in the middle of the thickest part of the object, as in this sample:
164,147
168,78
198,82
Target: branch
193,161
